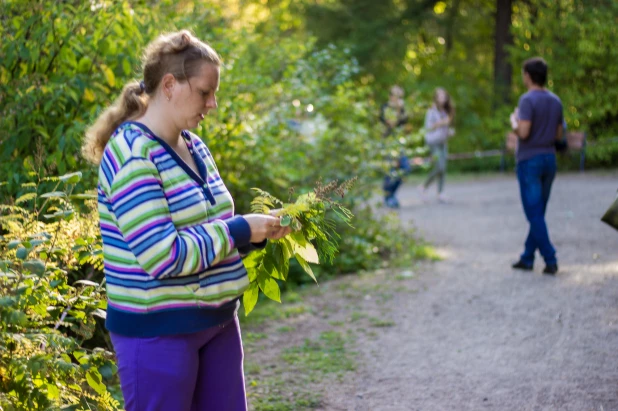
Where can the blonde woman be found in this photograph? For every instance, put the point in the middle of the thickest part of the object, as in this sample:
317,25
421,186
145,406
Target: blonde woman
171,241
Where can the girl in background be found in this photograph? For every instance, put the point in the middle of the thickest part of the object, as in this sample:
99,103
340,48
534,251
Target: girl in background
438,120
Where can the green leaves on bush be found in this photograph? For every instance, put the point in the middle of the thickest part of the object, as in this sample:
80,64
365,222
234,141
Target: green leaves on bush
44,319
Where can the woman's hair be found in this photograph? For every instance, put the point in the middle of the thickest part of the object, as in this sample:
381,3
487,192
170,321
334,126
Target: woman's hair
449,106
180,54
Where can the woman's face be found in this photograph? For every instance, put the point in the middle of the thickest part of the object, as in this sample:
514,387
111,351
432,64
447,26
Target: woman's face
441,98
196,97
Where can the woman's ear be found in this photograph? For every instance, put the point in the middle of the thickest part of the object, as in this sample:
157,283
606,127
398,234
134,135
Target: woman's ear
168,83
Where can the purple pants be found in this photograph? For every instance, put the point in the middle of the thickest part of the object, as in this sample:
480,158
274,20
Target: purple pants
190,372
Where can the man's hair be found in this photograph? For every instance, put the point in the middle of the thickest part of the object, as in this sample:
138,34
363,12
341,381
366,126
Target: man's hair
536,68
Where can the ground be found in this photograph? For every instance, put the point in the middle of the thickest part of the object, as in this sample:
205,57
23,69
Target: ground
463,333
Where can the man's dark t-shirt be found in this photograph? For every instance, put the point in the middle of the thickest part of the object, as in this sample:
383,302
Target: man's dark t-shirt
544,110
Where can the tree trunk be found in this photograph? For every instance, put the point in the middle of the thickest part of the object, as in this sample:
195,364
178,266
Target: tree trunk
502,68
450,25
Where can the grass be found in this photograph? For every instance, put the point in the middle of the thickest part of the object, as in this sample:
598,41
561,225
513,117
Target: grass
288,383
286,329
286,386
326,354
278,402
291,376
269,311
380,322
250,337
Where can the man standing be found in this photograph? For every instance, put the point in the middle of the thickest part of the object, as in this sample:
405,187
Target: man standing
393,116
538,123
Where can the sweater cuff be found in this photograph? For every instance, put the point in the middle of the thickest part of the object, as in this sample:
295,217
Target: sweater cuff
239,230
245,250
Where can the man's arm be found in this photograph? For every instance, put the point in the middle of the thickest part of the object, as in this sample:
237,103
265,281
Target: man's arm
523,129
559,132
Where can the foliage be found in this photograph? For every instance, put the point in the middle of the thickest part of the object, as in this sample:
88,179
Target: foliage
45,319
61,63
574,36
309,222
427,44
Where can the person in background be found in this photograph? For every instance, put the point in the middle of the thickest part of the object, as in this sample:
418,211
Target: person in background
171,243
438,130
393,117
538,122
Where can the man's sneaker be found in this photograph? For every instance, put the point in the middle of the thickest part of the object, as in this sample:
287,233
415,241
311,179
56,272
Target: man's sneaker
520,265
551,269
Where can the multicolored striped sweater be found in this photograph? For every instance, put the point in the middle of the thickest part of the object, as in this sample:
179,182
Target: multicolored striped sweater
170,237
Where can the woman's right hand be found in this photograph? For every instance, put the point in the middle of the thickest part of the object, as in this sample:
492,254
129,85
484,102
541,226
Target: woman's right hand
264,227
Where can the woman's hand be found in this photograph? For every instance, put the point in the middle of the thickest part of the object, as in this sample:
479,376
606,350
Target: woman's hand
265,227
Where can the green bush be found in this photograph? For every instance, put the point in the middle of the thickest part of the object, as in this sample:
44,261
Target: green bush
45,317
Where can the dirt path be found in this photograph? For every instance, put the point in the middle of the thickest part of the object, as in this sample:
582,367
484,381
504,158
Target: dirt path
469,333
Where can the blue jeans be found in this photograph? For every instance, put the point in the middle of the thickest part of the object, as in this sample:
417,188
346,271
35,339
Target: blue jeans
536,176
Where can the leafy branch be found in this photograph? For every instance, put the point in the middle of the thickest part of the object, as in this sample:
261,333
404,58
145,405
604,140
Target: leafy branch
313,239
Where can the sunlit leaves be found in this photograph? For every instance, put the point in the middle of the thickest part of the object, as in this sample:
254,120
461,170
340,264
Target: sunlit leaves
307,217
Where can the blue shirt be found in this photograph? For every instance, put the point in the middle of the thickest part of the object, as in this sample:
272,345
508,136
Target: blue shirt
544,110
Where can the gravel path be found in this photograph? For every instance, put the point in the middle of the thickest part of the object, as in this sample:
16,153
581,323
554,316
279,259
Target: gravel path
481,336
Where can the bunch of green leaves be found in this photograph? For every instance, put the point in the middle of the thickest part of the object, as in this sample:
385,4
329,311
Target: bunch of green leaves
44,318
311,224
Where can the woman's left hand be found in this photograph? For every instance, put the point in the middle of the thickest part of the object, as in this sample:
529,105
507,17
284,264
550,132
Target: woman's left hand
279,232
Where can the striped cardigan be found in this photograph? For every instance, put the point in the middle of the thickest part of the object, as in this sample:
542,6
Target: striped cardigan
170,237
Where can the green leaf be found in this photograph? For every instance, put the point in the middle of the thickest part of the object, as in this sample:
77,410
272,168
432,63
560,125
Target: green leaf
270,288
75,387
250,297
21,253
61,213
126,67
287,248
100,313
281,263
54,194
7,301
269,264
18,318
81,357
299,238
94,381
84,196
306,267
25,198
308,253
71,178
109,76
84,64
86,283
53,392
13,244
35,266
285,221
108,370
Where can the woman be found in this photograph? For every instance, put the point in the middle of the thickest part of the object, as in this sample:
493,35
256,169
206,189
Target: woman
171,242
393,117
437,131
